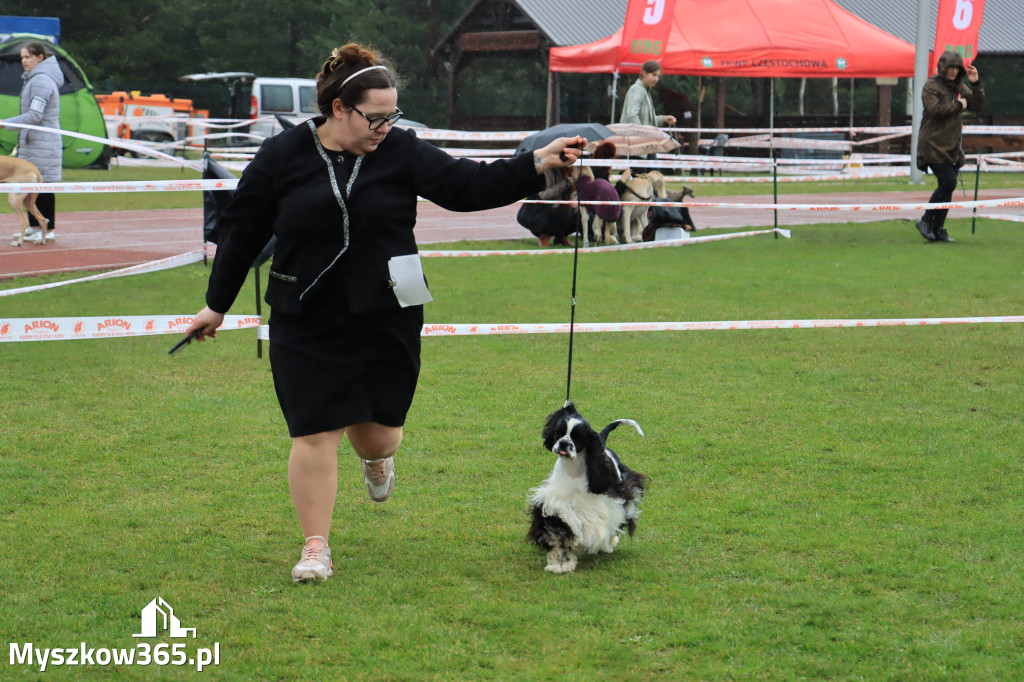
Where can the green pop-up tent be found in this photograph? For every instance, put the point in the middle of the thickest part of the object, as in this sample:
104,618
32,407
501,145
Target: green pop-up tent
79,111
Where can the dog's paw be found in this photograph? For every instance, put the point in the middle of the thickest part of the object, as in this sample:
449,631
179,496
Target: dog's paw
558,569
610,547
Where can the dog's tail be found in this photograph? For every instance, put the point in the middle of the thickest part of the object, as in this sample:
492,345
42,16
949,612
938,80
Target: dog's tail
615,424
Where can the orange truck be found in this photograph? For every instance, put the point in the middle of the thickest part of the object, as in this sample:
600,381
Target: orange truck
125,114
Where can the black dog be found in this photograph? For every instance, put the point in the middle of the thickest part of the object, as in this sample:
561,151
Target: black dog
589,498
667,216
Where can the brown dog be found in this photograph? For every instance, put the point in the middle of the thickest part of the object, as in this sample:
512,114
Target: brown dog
643,187
13,169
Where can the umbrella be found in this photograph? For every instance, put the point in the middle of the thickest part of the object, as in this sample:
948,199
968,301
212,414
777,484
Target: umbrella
591,131
633,139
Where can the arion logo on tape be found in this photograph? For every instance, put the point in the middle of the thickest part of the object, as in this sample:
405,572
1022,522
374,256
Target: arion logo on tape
113,322
180,322
42,324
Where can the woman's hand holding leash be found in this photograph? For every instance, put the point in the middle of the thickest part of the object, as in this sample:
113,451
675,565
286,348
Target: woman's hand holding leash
562,153
205,324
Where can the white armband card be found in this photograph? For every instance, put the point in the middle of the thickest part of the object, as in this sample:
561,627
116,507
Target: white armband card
407,280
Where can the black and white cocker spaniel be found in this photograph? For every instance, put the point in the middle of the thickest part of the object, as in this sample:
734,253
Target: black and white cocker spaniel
589,498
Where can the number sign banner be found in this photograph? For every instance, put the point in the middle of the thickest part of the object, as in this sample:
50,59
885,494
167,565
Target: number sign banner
957,29
645,33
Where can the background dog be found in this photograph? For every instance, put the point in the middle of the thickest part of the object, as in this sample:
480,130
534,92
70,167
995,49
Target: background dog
589,498
600,220
643,187
669,216
15,170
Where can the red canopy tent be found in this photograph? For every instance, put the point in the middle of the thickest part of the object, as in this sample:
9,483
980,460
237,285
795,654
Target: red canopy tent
752,38
745,38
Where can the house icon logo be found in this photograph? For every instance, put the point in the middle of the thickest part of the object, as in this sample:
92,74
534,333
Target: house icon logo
159,612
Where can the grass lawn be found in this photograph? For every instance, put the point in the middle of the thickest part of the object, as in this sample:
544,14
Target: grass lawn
824,504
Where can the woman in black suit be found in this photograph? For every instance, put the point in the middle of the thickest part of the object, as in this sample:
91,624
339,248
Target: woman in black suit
339,193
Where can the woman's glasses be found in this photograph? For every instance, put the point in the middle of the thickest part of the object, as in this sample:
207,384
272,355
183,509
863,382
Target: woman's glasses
378,121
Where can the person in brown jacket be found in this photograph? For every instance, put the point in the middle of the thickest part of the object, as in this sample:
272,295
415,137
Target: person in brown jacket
945,97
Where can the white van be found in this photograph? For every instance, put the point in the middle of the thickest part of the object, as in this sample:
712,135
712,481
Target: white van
294,99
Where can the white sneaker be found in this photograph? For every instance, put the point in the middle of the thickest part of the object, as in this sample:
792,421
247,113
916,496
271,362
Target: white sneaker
50,236
379,476
32,234
316,561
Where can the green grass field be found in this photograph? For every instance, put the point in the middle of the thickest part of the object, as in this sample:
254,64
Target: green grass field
824,504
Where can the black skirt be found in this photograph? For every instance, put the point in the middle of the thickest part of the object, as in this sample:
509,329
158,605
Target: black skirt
333,369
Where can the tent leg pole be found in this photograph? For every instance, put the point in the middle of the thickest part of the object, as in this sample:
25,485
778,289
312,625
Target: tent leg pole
206,161
920,76
614,93
259,310
977,179
771,151
851,103
700,105
548,115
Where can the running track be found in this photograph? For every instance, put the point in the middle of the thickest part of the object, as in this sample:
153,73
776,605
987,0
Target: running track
105,240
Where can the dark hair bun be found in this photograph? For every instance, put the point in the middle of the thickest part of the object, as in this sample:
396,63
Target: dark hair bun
347,74
347,55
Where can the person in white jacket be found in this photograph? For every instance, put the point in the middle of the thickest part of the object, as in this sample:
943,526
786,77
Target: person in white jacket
40,106
639,107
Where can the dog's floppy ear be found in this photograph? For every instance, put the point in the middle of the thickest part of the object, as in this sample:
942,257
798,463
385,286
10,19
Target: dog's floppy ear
550,431
602,472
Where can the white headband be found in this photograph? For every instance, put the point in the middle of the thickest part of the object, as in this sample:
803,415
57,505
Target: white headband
368,68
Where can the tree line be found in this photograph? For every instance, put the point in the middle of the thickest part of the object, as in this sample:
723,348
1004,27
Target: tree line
127,44
148,44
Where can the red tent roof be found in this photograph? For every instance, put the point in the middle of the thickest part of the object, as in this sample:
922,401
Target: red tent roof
755,38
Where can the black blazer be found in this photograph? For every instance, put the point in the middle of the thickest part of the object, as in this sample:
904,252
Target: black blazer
287,191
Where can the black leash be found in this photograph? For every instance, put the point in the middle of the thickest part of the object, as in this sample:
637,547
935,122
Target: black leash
575,266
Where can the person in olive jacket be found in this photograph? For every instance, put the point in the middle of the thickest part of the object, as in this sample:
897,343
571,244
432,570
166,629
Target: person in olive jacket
339,193
945,97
